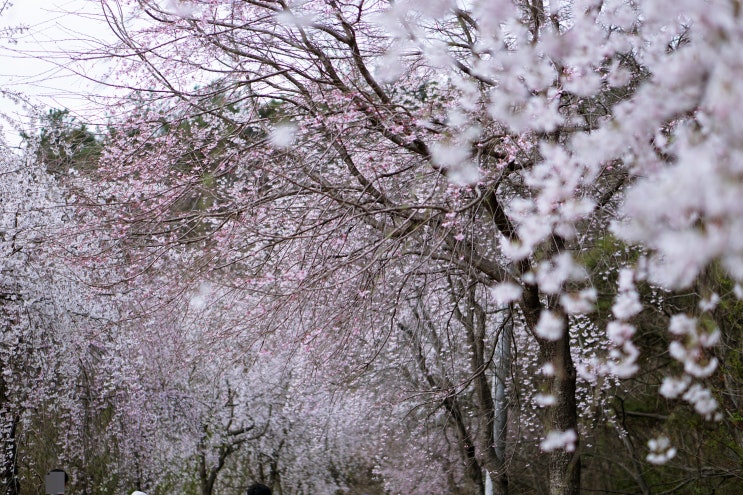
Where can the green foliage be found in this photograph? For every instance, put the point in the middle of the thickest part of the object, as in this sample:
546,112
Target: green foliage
714,449
271,110
64,143
601,260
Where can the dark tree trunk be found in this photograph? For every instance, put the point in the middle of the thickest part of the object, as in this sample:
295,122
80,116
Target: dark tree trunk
564,466
502,372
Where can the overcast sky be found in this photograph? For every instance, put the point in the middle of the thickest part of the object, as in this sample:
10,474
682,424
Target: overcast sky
39,63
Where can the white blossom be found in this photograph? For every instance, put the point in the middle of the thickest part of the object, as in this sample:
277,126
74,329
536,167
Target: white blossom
455,158
551,275
709,303
545,400
627,302
700,371
181,8
623,364
672,387
283,136
660,450
200,298
506,292
677,351
559,440
591,369
702,400
550,325
681,324
619,332
690,349
514,250
626,305
625,280
709,339
582,302
548,369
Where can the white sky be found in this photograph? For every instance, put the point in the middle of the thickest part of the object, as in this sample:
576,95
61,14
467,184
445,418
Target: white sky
40,64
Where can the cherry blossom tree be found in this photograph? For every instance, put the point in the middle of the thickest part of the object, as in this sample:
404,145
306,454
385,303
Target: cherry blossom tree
50,323
326,159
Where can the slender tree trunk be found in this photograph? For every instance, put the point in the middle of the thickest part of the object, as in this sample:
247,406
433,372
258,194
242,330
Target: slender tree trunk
473,467
502,372
497,481
204,478
475,321
564,465
207,474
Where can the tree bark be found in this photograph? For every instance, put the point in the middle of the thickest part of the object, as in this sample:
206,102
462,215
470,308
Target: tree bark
564,465
502,371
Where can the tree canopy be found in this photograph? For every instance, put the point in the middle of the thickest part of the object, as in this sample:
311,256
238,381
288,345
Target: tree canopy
396,247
